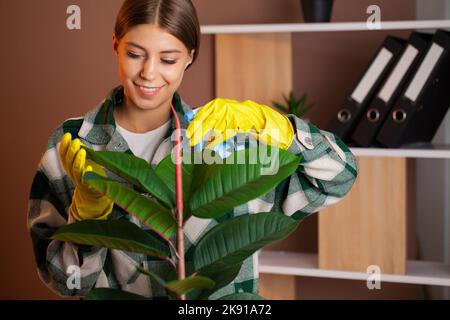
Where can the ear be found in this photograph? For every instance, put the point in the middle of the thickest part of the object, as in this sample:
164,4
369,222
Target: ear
191,57
115,44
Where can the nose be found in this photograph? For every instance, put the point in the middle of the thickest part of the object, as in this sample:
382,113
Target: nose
148,71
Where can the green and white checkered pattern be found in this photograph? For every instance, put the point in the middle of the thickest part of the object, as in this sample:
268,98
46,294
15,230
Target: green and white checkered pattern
326,173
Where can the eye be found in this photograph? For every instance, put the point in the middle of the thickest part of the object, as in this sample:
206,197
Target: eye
167,61
132,55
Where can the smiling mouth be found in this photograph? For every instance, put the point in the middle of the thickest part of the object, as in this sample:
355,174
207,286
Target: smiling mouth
148,91
148,88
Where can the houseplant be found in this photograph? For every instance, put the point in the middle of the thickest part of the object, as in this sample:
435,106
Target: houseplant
208,191
293,105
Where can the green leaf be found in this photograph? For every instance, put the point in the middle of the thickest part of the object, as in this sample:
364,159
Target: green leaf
296,109
172,295
188,284
242,296
181,287
280,106
221,278
304,108
112,294
166,172
114,234
234,240
292,99
231,185
152,275
195,174
135,170
202,173
307,108
155,216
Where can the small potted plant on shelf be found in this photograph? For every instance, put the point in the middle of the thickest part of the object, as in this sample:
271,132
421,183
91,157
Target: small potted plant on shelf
293,105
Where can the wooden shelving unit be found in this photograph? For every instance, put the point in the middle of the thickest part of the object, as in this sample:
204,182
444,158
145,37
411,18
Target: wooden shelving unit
385,241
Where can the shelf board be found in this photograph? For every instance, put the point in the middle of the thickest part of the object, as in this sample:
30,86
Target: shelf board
306,264
435,152
318,27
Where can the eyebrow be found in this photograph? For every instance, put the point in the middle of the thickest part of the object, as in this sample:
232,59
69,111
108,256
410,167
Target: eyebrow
143,49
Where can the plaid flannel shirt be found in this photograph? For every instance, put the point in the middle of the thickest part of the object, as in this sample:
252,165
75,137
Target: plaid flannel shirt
326,173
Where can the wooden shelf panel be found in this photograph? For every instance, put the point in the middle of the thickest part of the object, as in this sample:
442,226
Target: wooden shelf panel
320,27
305,264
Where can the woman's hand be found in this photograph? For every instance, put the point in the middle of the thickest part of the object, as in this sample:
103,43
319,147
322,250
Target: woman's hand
87,203
225,117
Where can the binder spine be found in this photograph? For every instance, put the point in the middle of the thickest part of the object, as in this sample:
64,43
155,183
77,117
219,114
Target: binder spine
378,109
424,102
355,105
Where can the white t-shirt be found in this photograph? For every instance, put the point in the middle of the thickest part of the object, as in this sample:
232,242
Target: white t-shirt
144,145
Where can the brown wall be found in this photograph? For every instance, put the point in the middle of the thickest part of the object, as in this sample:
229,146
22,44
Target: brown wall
49,74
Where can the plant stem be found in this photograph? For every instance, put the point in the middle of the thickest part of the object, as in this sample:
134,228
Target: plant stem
174,249
179,199
181,267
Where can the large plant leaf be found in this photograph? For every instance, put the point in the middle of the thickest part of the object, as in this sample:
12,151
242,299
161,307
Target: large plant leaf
152,275
242,296
203,172
112,294
114,234
155,216
221,278
166,172
163,283
190,283
195,174
135,170
234,240
231,185
180,287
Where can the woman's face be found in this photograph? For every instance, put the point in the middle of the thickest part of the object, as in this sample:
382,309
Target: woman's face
151,65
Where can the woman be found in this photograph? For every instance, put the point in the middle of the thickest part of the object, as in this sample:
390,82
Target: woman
155,41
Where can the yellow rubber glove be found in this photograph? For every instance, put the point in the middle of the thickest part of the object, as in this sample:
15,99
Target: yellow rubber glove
227,117
87,203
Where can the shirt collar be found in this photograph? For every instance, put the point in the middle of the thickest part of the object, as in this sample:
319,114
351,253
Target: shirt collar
99,125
